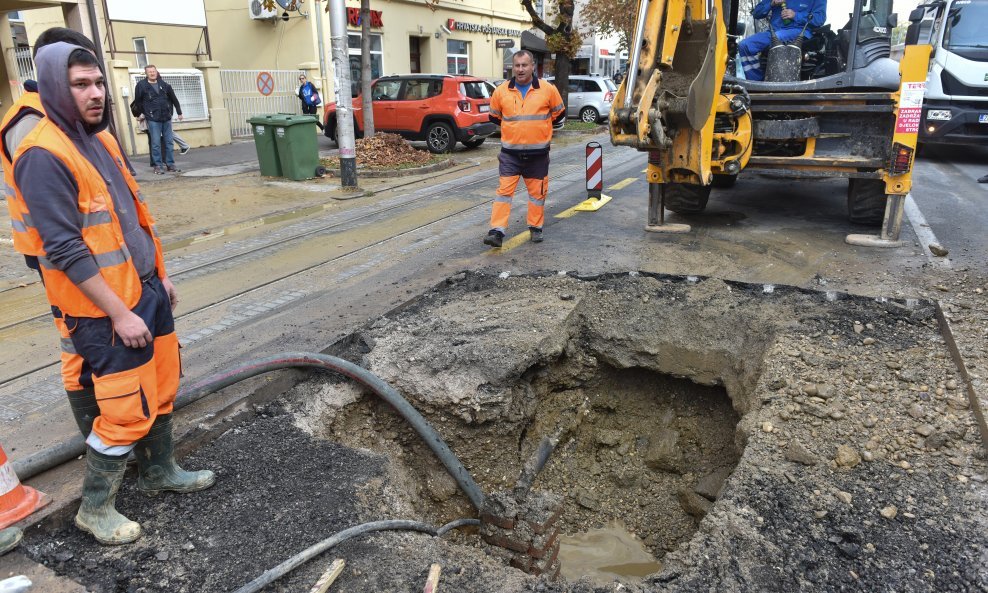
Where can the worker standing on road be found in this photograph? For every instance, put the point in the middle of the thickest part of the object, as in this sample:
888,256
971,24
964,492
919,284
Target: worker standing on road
18,122
788,20
103,269
526,109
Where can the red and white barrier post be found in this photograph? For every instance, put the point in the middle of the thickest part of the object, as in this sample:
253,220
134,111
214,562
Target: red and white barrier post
595,179
595,169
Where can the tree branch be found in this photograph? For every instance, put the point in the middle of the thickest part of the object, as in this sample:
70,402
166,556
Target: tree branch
536,19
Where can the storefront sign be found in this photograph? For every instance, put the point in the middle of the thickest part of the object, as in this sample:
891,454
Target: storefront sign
604,52
353,17
504,43
455,25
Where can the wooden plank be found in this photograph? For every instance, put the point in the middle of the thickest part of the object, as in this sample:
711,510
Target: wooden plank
328,577
432,583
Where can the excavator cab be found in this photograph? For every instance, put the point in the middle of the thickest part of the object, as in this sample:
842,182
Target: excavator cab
837,106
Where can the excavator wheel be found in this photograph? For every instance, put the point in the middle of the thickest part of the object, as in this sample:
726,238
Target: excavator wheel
684,198
866,201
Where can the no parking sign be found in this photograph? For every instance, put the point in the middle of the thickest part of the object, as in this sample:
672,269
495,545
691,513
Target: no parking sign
265,83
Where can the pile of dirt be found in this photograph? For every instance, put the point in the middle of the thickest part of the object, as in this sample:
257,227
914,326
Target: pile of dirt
384,151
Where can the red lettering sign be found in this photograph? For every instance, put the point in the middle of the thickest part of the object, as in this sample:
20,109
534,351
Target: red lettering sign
353,17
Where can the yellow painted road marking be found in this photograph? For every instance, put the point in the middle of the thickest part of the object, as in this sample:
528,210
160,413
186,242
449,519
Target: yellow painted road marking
568,212
623,183
519,239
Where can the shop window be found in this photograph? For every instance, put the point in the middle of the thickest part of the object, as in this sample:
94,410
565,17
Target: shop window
457,57
376,56
141,51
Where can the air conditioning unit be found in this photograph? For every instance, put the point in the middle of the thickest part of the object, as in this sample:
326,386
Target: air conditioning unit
259,12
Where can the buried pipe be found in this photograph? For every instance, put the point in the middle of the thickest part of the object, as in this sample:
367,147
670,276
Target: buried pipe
271,575
53,456
536,463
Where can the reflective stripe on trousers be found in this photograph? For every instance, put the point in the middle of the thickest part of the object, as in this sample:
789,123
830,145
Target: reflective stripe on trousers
535,171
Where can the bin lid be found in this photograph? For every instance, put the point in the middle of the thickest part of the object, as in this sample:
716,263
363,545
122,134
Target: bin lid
282,120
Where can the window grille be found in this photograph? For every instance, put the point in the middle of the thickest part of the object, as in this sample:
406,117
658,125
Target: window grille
189,87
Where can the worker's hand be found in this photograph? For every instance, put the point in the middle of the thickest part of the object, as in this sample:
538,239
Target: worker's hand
170,289
132,330
788,13
140,117
181,117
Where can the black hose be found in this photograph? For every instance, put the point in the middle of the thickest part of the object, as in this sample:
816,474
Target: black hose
55,455
271,575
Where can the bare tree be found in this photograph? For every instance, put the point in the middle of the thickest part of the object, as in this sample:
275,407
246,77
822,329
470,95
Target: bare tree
365,68
561,39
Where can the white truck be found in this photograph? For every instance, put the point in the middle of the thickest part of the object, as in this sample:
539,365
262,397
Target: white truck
955,110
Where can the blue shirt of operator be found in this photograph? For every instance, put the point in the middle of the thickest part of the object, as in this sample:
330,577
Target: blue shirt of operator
814,10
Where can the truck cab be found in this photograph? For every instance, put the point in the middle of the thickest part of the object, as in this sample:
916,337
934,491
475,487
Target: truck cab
955,110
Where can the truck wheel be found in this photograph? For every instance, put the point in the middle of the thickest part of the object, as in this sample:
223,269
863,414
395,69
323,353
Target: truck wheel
723,181
685,198
474,142
866,201
440,138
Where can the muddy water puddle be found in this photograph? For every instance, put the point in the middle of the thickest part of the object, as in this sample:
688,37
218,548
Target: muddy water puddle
606,554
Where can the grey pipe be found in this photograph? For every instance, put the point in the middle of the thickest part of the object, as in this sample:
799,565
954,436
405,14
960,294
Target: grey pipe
53,456
271,575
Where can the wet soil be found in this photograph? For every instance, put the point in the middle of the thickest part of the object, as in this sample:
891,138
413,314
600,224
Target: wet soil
858,464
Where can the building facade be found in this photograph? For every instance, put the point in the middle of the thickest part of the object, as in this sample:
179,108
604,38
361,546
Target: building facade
231,59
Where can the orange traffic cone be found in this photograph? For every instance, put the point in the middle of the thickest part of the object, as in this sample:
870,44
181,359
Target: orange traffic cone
16,501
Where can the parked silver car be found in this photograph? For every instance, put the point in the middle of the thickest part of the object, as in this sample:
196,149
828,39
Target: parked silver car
589,97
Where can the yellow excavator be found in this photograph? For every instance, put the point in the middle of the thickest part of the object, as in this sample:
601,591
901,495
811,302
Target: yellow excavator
832,104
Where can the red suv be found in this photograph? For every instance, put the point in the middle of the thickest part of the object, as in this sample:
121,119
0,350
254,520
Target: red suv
438,108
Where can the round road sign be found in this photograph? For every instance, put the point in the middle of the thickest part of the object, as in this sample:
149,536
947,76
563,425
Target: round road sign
265,83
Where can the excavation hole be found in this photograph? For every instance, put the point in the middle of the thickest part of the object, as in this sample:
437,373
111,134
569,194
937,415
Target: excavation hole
644,464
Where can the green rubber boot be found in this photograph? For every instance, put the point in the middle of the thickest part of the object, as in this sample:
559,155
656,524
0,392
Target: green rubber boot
97,514
84,409
157,470
9,538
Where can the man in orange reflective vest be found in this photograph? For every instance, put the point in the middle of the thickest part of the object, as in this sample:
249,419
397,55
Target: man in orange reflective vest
103,268
17,123
526,109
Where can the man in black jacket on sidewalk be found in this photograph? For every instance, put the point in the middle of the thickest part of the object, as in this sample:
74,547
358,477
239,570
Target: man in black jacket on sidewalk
155,99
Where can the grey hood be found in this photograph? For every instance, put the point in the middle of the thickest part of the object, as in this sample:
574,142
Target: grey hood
52,63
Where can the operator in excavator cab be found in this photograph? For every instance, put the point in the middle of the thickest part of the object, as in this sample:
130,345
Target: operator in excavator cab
788,20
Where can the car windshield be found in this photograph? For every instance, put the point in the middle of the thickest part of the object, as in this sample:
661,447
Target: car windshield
966,25
475,90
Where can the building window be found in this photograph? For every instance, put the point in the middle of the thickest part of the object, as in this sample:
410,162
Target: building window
376,56
457,57
141,51
189,87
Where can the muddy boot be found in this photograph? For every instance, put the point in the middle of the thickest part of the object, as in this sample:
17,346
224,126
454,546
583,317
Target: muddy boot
97,514
9,538
84,409
157,469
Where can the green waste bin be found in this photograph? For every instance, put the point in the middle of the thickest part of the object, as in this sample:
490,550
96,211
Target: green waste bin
298,149
264,143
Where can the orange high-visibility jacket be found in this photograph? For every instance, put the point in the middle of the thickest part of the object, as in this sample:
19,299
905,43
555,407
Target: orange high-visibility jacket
526,124
24,234
101,229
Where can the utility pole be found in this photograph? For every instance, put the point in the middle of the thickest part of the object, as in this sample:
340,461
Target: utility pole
344,97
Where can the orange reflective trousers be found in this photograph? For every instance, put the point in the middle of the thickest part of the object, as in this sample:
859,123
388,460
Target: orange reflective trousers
534,169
